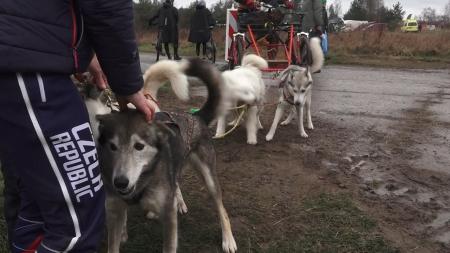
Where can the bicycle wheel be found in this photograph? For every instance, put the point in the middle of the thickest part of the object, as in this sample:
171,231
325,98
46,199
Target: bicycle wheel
232,55
211,51
158,50
240,49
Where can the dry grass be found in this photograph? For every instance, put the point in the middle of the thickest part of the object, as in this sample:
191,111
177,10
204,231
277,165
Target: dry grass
146,42
388,49
426,44
392,49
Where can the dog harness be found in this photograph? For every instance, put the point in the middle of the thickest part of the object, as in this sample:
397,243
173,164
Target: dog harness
286,95
185,123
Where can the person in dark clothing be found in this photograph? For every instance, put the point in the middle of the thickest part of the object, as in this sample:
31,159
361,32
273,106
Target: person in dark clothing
167,21
47,151
201,24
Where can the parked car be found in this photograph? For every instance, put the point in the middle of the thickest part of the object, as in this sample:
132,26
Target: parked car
410,25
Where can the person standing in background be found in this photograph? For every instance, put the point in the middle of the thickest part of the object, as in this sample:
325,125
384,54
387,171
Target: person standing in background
167,21
202,23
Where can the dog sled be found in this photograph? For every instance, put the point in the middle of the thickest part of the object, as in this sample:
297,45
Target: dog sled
274,33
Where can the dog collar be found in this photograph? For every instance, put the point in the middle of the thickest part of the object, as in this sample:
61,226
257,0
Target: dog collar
288,97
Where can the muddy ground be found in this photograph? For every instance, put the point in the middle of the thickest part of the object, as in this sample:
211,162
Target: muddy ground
381,137
373,176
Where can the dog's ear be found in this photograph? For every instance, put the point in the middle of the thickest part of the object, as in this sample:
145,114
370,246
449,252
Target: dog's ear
103,123
285,74
163,133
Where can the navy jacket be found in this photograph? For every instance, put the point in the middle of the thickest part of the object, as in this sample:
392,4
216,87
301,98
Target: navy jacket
59,36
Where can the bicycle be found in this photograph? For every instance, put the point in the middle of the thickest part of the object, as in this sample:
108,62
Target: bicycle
236,51
211,49
158,44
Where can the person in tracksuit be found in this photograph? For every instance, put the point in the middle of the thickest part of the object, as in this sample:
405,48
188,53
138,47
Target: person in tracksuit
47,151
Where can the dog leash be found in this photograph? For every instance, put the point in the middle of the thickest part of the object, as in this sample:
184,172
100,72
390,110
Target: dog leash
237,120
110,102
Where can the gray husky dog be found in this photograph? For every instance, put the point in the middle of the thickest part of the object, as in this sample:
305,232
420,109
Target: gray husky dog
296,89
141,163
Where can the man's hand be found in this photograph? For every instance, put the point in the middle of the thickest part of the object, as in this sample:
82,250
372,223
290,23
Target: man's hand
98,78
139,101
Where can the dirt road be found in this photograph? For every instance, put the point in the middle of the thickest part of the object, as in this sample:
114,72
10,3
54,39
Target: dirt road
396,129
381,136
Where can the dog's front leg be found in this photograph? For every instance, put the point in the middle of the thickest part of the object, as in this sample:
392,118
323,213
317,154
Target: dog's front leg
221,125
300,121
182,208
308,112
252,125
116,212
278,114
291,115
170,224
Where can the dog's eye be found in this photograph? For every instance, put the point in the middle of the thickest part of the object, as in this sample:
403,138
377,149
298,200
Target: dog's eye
302,90
112,146
139,146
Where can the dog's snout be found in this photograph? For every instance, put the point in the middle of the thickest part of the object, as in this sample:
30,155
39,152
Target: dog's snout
121,182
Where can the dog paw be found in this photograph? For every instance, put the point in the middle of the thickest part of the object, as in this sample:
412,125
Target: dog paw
285,123
269,137
124,237
252,142
229,244
182,208
304,135
310,126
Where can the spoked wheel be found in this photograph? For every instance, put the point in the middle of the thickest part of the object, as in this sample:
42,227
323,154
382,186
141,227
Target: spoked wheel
211,51
236,52
240,50
158,50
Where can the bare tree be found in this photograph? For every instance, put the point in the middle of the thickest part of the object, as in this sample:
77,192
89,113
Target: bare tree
429,15
337,5
447,12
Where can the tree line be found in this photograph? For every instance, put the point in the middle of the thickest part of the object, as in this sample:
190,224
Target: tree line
370,10
375,10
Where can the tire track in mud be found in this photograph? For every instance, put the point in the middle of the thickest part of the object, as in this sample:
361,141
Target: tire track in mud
416,196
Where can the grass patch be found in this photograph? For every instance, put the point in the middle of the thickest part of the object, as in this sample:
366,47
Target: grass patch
334,224
427,50
323,223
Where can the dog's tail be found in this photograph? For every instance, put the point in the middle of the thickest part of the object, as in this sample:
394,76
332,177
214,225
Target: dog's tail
317,54
167,71
255,61
212,78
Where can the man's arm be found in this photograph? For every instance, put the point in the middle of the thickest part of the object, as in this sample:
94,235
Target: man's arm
109,27
152,19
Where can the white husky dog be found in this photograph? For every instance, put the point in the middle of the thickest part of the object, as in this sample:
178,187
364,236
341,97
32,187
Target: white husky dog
244,85
296,89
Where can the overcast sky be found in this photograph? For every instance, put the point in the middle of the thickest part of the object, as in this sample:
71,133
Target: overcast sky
410,6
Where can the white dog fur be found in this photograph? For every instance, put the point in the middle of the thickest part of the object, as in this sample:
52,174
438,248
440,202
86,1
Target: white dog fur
244,85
